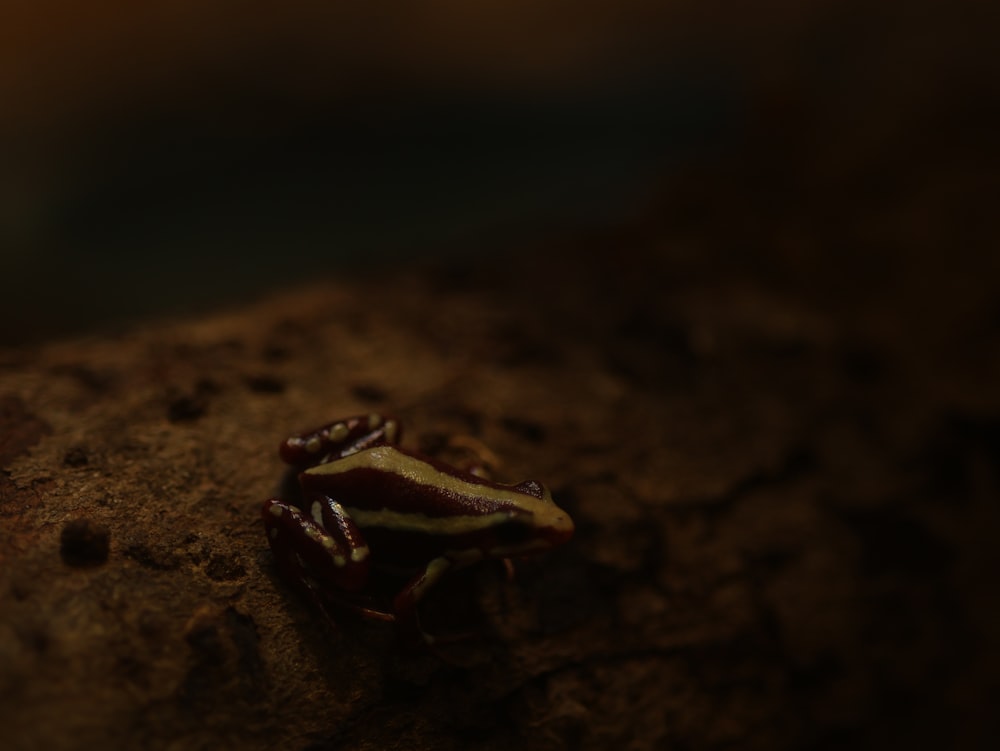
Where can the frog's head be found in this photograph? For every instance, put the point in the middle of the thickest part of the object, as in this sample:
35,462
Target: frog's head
536,524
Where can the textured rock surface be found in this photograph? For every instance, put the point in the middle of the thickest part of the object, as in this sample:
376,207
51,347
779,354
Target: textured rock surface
783,467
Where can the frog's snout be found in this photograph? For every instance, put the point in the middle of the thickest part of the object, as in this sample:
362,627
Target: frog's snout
559,528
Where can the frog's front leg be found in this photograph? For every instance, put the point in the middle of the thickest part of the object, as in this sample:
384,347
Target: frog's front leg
407,601
321,552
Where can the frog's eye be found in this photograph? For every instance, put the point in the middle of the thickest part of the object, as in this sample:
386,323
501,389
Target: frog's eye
513,531
532,488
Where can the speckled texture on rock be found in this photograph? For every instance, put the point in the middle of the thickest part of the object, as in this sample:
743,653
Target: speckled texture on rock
785,501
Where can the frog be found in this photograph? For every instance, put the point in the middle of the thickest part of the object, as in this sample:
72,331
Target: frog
368,505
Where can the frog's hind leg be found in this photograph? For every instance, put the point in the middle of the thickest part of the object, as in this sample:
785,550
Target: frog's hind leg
316,555
338,439
281,523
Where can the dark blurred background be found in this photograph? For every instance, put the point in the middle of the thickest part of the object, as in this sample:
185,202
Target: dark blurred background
168,157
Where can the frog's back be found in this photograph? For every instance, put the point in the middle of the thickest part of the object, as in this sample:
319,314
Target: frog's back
399,482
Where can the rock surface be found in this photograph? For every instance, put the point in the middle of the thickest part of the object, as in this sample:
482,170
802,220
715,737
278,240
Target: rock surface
782,462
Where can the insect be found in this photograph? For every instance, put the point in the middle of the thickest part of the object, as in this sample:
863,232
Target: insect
367,504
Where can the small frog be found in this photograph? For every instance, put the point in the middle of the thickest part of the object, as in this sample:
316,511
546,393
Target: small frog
369,504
